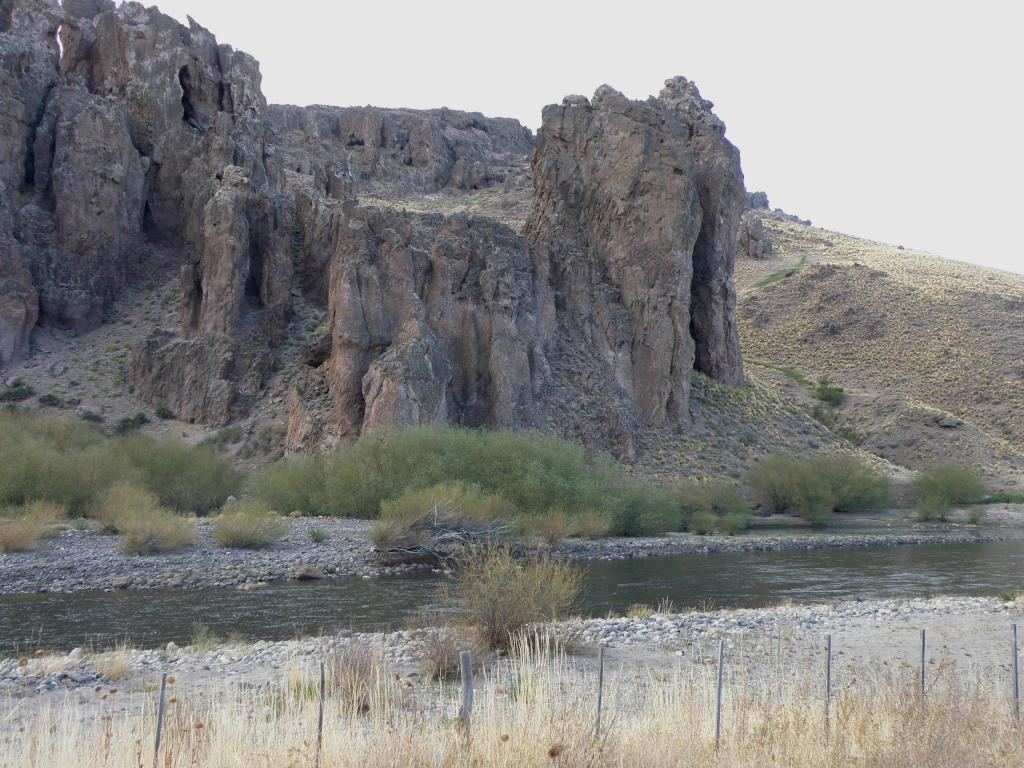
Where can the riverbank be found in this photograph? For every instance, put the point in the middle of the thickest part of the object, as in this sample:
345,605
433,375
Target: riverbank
970,634
80,559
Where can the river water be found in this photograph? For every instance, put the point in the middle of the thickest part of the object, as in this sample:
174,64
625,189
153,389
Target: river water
282,611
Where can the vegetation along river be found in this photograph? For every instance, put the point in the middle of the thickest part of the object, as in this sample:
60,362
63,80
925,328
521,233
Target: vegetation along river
287,610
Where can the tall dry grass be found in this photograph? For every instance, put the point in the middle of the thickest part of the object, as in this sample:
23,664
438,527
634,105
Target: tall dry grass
536,710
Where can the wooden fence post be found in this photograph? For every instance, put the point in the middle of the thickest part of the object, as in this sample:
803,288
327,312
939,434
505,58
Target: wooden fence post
600,689
1016,679
320,719
828,679
160,718
923,646
718,703
466,668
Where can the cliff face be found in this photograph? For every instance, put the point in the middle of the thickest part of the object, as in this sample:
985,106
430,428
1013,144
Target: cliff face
589,321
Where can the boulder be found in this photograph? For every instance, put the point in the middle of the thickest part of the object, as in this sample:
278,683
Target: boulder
753,241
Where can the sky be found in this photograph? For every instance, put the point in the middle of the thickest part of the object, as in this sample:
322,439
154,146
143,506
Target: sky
898,121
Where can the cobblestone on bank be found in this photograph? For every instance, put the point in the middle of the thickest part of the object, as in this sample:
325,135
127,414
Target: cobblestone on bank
862,623
81,559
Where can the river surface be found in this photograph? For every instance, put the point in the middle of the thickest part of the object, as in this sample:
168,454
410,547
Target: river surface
149,618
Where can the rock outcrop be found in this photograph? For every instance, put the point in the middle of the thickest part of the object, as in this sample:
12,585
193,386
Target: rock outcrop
754,242
620,193
590,321
397,151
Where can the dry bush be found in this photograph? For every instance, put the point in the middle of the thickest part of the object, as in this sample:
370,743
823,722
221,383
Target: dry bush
550,528
121,503
592,525
249,525
113,665
18,534
157,530
21,529
498,596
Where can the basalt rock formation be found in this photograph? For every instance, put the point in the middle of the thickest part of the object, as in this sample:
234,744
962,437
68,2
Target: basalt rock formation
397,151
589,321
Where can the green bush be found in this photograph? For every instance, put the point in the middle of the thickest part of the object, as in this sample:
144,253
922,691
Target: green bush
856,486
536,474
294,484
640,509
709,506
815,488
67,461
184,478
16,392
829,393
408,520
130,424
248,525
774,481
937,489
498,596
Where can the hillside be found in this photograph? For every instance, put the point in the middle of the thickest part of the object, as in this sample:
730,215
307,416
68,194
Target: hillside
931,351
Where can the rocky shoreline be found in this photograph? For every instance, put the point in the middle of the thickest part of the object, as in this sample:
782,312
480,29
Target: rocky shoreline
82,560
966,630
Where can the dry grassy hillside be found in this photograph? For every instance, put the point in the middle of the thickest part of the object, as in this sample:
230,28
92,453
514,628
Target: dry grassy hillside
931,350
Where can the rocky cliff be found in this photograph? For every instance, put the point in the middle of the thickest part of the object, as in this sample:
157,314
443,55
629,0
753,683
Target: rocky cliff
146,132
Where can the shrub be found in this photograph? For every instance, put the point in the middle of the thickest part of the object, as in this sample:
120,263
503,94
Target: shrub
709,506
294,484
550,528
591,525
640,509
19,534
774,481
815,488
856,486
829,393
734,522
120,504
224,437
184,478
21,529
16,392
50,400
532,471
164,413
131,423
411,520
317,535
248,525
498,596
702,522
156,530
937,489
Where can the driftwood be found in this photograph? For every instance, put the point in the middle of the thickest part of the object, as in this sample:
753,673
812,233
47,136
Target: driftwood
438,536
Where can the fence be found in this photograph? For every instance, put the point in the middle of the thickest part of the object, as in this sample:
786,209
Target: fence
700,655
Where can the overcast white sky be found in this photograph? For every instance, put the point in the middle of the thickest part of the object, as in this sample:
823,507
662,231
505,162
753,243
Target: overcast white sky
899,121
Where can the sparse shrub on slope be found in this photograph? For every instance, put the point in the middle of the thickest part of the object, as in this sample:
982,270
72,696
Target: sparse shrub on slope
939,488
498,596
249,525
829,393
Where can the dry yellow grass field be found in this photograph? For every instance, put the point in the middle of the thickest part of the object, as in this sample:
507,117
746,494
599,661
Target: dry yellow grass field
913,337
540,711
